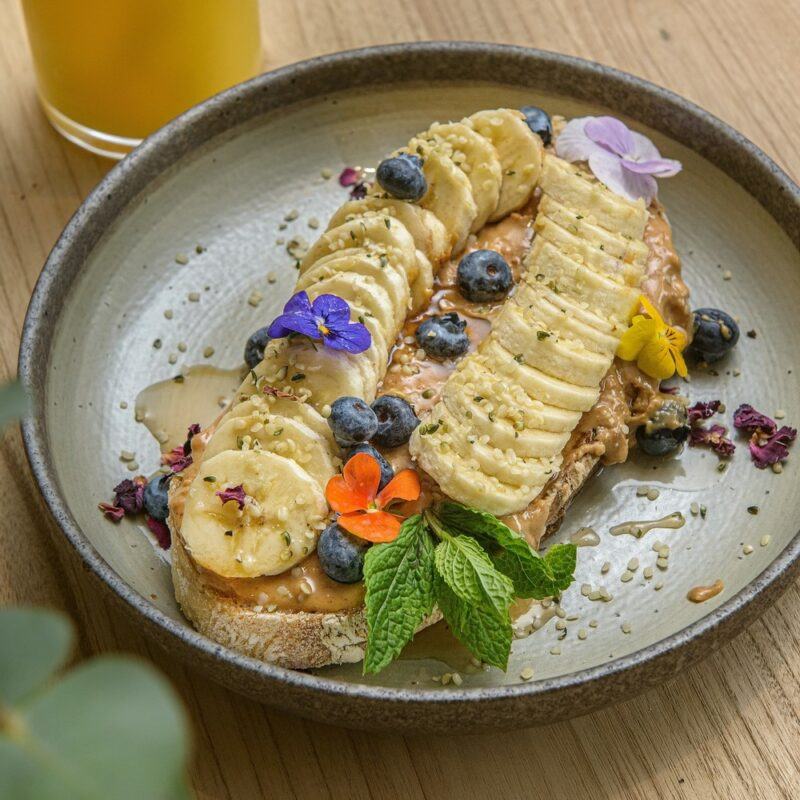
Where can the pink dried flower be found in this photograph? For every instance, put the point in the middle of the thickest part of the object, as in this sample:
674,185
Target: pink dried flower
359,191
701,410
194,429
747,418
129,494
114,513
713,437
349,176
768,449
235,493
161,532
177,459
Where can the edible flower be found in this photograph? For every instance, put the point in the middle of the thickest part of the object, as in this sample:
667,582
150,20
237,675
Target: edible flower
713,437
768,444
160,531
700,411
114,513
655,346
353,176
354,495
624,160
129,494
235,493
326,319
177,459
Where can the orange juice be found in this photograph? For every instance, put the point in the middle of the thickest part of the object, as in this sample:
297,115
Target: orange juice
112,71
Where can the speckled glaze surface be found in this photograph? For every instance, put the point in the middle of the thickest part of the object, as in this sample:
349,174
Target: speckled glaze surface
224,175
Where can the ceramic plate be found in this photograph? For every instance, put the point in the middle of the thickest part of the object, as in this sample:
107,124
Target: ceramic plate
197,220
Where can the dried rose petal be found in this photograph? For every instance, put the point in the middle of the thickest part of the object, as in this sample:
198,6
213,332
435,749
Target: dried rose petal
773,448
272,391
359,191
235,493
180,464
349,176
194,429
114,513
177,459
748,418
713,437
702,410
160,530
129,494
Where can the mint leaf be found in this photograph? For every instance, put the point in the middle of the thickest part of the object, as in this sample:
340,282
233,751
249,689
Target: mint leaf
478,628
533,576
468,571
399,581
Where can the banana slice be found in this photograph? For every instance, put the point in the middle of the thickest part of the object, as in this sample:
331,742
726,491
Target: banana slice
528,338
631,251
520,151
283,513
556,318
285,407
586,253
463,480
478,159
565,276
428,233
382,232
476,377
537,384
381,267
282,435
449,194
580,190
422,288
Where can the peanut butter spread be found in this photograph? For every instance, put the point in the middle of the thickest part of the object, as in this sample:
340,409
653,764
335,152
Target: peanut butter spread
627,398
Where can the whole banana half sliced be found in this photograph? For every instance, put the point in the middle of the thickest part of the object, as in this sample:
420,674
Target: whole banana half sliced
281,435
555,317
532,343
537,384
283,512
428,232
381,232
632,251
504,465
383,268
586,253
520,151
476,156
449,194
463,480
477,377
562,274
285,407
581,191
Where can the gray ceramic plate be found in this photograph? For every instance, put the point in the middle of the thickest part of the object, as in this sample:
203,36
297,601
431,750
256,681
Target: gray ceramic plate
225,175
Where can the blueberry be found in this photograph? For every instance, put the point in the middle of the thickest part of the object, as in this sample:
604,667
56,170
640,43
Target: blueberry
341,555
156,500
483,275
665,431
254,349
352,421
443,336
396,421
387,473
715,334
539,122
402,177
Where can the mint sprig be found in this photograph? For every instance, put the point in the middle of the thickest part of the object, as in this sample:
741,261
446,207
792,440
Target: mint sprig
473,574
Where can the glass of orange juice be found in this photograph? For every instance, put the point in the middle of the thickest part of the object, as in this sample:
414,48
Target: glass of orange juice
112,71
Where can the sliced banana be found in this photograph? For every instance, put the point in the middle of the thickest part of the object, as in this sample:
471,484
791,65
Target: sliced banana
520,151
449,194
632,251
581,191
586,253
285,436
428,232
528,338
476,156
383,268
283,513
562,274
285,407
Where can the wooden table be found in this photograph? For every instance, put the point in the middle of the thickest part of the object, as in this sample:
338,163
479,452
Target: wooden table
726,729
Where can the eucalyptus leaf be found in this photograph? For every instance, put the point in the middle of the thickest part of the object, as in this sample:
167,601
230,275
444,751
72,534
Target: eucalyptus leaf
13,402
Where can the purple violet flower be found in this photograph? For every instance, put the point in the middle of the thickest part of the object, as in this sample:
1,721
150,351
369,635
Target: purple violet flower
327,318
747,418
772,448
701,410
235,493
624,160
713,437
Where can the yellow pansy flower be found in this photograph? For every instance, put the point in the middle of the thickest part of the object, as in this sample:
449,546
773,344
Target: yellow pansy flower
655,346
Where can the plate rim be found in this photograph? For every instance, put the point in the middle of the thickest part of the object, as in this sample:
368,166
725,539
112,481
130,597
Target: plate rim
402,708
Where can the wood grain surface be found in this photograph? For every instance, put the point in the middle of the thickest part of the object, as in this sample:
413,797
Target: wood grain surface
725,729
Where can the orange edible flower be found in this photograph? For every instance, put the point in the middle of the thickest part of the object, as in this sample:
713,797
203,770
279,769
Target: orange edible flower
354,495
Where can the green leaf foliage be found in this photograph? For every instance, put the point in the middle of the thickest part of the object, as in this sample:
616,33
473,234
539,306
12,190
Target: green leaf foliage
399,591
